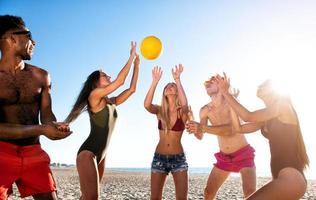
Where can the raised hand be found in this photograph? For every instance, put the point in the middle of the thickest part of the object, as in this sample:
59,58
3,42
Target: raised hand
133,49
176,71
156,74
234,92
136,61
223,83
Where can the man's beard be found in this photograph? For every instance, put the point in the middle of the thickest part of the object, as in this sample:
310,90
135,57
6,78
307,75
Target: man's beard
25,56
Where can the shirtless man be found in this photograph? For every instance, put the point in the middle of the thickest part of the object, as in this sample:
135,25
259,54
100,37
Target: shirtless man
24,100
235,155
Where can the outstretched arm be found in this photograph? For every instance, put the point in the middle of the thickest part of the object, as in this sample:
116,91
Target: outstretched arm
16,131
156,75
256,116
245,128
132,88
176,73
199,128
99,93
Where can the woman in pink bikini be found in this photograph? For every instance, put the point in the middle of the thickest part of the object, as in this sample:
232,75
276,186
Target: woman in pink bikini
279,123
172,115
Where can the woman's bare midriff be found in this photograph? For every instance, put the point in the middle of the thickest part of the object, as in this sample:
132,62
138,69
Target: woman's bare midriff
169,143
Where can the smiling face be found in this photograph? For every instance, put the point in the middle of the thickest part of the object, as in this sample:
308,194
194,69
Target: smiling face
24,43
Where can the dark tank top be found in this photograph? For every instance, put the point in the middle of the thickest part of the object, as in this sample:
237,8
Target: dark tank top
284,147
102,124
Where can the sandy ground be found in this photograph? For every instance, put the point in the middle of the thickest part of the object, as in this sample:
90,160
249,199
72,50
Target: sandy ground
125,185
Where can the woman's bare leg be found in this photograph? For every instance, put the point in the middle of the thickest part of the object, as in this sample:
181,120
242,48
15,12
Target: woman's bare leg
289,185
88,175
157,182
181,184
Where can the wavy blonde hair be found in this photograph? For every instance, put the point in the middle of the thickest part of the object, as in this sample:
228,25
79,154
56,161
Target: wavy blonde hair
164,111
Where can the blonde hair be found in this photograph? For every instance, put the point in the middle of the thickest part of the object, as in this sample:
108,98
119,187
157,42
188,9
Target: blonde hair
164,111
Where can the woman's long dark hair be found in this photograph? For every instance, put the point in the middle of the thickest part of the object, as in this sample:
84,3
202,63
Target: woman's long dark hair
82,99
301,154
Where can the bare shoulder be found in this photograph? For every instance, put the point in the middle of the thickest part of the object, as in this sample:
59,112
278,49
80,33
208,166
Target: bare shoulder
204,110
39,73
36,70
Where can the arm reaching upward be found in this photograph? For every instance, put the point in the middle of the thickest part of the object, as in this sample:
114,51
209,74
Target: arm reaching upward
156,75
176,73
99,93
128,92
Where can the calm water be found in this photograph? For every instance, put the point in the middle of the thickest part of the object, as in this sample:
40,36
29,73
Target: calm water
192,170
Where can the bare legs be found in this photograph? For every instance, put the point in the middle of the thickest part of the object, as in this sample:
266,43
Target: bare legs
290,185
214,182
181,184
90,175
158,180
217,177
248,178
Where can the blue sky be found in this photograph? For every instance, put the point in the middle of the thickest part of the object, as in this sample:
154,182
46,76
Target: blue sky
250,40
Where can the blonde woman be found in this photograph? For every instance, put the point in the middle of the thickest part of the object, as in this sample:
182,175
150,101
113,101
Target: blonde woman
172,115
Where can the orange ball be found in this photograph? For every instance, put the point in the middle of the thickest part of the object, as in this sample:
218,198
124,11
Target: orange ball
151,47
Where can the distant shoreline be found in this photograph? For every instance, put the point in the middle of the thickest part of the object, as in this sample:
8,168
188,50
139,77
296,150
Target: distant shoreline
192,171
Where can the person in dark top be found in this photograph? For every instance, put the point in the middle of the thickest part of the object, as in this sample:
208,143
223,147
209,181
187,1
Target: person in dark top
172,115
102,113
25,102
280,125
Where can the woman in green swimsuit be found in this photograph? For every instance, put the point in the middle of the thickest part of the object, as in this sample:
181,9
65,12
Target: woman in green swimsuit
101,109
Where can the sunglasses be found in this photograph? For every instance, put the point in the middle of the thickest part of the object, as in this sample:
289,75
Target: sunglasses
27,33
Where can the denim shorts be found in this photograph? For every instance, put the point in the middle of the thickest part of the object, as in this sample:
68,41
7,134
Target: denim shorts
169,163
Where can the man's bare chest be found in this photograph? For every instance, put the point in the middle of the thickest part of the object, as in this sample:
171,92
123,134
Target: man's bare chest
21,89
219,116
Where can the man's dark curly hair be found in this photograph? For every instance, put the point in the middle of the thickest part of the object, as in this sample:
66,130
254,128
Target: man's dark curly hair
10,22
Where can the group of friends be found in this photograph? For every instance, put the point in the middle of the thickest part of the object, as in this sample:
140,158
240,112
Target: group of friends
26,114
